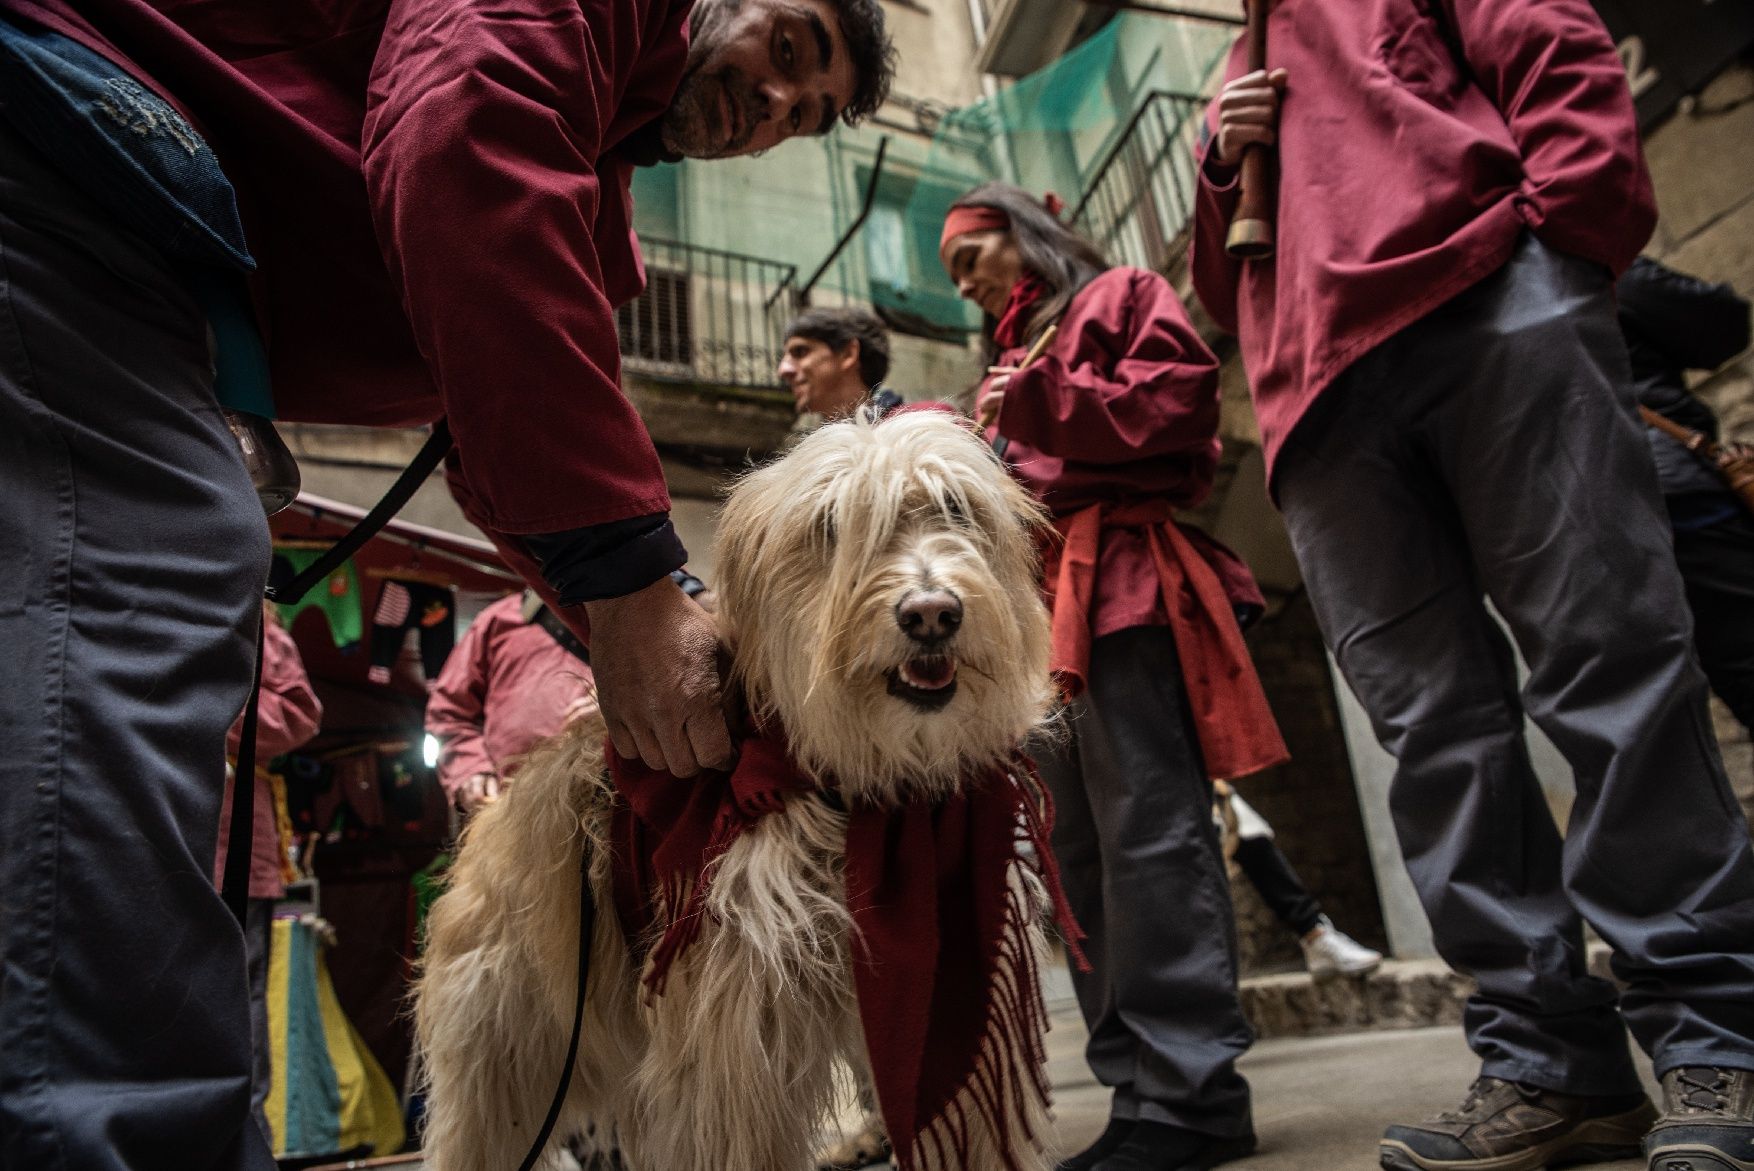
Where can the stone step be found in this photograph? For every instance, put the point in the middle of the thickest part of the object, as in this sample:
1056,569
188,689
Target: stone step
1402,994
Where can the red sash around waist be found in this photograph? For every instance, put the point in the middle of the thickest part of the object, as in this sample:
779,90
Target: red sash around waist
1237,732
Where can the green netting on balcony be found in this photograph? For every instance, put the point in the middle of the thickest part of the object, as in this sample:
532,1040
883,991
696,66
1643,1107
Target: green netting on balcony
1066,128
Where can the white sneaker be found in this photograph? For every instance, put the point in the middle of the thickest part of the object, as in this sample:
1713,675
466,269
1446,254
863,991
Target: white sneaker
1330,952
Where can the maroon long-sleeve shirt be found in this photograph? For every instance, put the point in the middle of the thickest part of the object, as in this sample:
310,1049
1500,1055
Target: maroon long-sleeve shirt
1418,139
288,714
508,685
1122,407
442,222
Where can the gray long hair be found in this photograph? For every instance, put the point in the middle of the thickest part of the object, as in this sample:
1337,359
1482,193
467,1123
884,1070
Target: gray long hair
1061,257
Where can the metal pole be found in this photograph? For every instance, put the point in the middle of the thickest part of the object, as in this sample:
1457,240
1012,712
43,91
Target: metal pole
858,222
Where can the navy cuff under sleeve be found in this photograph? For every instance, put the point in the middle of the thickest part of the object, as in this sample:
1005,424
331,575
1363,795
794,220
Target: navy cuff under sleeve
688,583
607,560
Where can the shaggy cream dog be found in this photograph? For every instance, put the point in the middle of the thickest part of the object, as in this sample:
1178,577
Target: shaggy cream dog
879,598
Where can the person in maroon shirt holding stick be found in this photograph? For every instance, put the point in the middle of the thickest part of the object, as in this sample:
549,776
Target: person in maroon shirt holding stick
1448,416
384,213
1104,403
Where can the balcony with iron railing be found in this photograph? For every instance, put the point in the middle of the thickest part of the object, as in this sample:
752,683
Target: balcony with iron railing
700,348
1140,198
709,318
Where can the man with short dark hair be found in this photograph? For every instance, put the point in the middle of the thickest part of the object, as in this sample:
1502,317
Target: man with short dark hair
367,212
1447,415
834,362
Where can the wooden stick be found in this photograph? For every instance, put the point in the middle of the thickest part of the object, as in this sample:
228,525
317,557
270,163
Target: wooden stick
1737,471
1037,350
1041,345
1251,228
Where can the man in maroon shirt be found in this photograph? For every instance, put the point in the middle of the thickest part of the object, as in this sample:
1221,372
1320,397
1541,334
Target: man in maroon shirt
512,682
1447,413
382,213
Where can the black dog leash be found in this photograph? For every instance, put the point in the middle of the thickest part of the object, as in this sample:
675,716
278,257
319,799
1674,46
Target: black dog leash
234,886
587,927
406,485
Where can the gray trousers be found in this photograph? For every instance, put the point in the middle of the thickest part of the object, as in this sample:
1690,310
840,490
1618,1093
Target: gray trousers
1490,450
1140,861
134,557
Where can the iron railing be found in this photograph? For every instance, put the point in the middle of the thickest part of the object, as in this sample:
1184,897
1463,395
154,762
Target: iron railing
707,316
1140,198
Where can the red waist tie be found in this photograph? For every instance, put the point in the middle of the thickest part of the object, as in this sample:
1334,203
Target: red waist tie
1237,732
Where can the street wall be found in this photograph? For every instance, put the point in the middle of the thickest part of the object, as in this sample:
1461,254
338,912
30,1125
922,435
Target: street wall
1310,802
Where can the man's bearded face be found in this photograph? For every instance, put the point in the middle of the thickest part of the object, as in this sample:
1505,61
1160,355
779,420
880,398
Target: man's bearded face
759,72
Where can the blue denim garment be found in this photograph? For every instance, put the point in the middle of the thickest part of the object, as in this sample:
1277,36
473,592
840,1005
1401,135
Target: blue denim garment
125,146
143,163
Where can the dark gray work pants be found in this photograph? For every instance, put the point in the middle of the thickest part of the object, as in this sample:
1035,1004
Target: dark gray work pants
1490,450
1140,861
132,560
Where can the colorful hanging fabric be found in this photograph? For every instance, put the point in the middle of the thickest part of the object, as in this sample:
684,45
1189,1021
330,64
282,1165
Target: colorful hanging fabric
430,609
338,597
328,1092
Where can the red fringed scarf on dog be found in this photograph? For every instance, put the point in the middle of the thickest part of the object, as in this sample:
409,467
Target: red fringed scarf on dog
945,976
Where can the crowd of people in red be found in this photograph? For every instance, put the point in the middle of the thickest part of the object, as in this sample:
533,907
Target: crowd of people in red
401,214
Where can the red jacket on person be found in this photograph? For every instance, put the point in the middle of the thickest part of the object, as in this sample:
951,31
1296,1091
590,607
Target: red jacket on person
442,225
507,685
1418,140
1123,406
287,716
1115,428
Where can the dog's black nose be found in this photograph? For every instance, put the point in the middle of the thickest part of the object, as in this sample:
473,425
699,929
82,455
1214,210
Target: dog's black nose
929,615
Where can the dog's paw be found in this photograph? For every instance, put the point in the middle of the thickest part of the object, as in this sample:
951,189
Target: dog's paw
865,1149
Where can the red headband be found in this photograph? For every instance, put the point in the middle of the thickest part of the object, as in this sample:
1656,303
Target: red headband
973,218
979,218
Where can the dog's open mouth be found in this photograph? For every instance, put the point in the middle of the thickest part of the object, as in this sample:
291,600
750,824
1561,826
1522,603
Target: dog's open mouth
926,682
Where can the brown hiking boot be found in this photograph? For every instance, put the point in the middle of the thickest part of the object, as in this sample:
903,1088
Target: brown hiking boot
1707,1122
1506,1126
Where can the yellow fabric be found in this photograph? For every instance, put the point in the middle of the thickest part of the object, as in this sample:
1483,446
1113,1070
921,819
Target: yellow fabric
275,1106
371,1112
343,1097
282,828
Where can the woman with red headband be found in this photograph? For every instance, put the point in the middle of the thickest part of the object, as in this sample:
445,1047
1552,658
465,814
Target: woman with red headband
1112,420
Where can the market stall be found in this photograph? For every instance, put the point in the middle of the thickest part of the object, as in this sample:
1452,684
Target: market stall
365,819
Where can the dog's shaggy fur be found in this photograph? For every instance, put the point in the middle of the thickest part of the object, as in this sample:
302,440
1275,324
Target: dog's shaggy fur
731,1067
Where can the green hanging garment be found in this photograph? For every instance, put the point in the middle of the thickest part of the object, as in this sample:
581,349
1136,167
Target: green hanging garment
338,597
